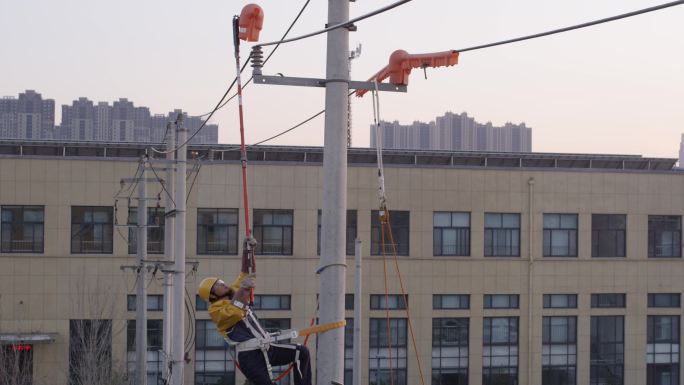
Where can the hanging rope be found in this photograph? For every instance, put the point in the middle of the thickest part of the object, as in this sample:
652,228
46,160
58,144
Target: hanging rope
387,228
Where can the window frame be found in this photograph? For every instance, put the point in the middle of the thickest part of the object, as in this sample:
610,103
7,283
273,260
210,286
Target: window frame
203,327
284,302
659,348
399,230
22,223
395,302
548,301
377,331
258,231
653,300
597,361
512,299
599,300
548,235
488,345
598,233
461,233
676,247
511,235
549,352
438,301
202,231
131,303
153,213
460,349
104,227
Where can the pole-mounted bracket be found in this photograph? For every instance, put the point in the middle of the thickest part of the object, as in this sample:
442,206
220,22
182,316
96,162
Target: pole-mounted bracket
314,82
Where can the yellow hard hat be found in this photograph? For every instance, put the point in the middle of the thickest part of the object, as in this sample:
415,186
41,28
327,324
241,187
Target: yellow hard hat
205,287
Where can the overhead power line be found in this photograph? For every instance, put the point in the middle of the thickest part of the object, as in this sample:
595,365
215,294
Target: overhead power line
221,102
509,41
337,26
578,26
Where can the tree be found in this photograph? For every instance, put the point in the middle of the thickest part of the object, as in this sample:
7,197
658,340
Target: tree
16,365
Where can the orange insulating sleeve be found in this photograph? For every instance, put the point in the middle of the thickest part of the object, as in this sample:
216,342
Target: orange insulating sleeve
322,328
251,22
401,63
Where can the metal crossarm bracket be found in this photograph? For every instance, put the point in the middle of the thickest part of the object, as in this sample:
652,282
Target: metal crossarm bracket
314,82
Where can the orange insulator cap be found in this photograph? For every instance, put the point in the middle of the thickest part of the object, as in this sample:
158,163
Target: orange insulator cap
251,21
401,63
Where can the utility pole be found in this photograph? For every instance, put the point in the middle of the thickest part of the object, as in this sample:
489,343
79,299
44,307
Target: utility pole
358,296
330,355
169,229
352,55
141,292
178,290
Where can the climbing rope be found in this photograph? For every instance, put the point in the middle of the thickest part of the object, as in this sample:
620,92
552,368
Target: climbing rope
386,228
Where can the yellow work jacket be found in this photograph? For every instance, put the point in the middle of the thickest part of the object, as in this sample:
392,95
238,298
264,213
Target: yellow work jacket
224,314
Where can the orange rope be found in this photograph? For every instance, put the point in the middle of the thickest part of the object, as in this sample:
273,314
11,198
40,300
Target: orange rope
384,264
403,293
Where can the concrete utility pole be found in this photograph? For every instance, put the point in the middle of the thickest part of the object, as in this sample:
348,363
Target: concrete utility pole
141,292
330,355
177,314
358,296
169,229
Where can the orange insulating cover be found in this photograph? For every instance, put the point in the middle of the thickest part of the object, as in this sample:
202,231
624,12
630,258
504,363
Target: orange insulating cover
401,63
251,21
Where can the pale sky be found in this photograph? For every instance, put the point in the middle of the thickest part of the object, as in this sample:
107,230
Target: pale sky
613,88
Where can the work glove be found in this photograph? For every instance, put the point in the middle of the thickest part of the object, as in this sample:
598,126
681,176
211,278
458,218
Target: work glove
249,282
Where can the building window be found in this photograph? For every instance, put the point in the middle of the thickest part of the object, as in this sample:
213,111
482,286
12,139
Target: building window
450,301
272,325
91,230
559,351
662,350
501,301
155,338
560,301
200,304
500,353
22,229
271,302
392,302
613,300
380,349
450,351
273,231
502,235
351,232
155,302
213,360
155,231
451,234
607,350
560,235
664,236
349,352
399,222
217,231
90,350
608,235
349,301
664,300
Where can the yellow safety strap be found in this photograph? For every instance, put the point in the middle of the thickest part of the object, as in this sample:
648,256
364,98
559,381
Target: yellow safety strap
322,328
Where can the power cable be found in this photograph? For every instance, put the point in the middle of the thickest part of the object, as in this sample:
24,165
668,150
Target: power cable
306,3
162,184
221,103
337,26
578,26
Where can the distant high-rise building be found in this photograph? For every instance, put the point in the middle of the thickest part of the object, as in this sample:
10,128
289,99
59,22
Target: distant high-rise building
455,132
27,117
681,152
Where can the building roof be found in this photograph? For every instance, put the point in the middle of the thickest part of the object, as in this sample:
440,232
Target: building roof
355,156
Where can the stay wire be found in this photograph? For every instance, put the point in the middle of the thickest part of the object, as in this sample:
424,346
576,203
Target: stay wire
337,26
163,185
573,27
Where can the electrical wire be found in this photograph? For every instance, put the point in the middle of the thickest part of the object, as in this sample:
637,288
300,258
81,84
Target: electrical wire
162,184
337,26
193,183
221,102
578,26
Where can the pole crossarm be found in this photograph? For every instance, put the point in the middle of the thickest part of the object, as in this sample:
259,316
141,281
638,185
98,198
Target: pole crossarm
316,82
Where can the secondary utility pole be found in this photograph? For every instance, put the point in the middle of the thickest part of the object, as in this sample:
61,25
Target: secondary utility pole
330,355
141,292
178,290
169,228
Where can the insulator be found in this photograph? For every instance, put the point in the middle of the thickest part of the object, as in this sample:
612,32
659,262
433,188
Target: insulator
257,57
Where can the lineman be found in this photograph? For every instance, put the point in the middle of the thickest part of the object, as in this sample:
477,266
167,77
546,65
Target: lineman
229,309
